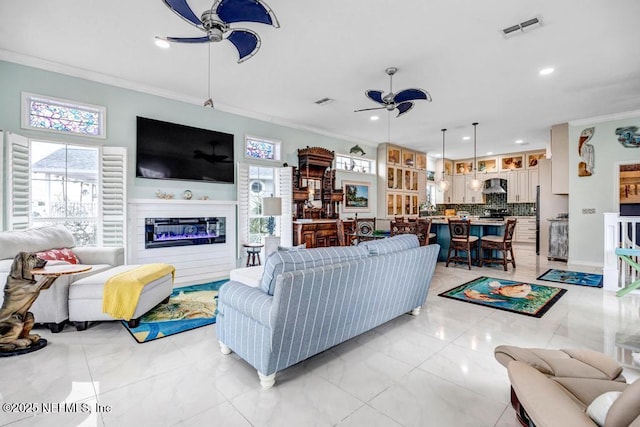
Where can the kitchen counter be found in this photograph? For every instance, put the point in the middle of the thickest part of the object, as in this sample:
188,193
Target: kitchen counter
479,227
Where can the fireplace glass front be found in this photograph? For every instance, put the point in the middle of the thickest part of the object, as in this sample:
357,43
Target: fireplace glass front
165,232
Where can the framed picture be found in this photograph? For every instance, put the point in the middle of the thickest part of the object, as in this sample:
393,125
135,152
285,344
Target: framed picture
356,196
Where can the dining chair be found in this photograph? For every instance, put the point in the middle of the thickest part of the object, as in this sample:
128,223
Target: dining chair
461,240
364,228
502,243
423,230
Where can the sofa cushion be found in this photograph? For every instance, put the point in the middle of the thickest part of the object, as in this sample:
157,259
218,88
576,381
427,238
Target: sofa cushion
625,410
598,409
62,254
34,240
393,244
281,261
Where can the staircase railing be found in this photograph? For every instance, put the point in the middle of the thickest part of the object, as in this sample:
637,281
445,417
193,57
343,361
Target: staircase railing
619,232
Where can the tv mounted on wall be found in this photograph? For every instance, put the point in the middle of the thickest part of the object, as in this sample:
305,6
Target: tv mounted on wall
171,151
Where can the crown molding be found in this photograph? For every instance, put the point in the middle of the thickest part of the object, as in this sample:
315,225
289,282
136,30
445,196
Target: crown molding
93,76
605,118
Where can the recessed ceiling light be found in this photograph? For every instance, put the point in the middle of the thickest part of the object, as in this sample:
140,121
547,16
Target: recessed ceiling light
438,155
519,141
466,138
162,43
374,118
546,71
489,153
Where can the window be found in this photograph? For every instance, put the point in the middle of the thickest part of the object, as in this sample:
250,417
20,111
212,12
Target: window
64,188
354,164
60,115
262,184
261,148
82,187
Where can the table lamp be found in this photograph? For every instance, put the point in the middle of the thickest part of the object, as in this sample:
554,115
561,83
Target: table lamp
271,206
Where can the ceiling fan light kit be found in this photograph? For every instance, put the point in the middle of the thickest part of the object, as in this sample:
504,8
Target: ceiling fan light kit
402,101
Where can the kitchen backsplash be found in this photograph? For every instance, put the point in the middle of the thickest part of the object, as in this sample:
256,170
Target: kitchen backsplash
516,209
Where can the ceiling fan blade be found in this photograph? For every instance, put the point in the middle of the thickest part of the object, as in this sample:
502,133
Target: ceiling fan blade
375,95
404,107
203,39
245,11
246,41
411,95
369,109
182,9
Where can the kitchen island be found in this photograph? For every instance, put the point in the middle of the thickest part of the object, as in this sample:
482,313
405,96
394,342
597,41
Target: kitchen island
479,227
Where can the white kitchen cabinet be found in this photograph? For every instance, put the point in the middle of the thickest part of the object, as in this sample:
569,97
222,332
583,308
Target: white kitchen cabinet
461,191
517,186
525,231
534,180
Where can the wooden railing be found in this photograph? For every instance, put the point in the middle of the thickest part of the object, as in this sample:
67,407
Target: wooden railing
619,232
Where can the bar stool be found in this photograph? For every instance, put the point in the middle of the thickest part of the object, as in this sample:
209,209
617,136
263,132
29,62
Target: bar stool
425,235
253,252
461,241
492,242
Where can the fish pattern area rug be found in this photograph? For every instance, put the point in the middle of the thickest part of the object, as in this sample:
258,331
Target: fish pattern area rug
189,307
517,297
572,278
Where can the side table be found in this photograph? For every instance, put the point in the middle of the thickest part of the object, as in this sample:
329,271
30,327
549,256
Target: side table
253,253
48,276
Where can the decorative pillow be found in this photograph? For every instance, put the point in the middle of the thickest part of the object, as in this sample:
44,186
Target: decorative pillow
62,254
599,408
393,244
292,248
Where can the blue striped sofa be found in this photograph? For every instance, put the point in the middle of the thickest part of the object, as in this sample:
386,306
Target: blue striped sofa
310,300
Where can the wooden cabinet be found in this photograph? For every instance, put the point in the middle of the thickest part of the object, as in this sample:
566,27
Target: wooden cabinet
402,181
314,188
315,234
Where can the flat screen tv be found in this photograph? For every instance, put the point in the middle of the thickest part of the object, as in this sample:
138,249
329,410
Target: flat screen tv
171,151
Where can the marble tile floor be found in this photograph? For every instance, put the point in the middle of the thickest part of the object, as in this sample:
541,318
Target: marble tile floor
436,369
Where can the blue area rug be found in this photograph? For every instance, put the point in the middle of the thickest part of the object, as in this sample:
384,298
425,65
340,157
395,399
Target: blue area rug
189,307
572,278
517,297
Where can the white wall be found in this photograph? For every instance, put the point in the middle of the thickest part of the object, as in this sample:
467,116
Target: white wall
599,191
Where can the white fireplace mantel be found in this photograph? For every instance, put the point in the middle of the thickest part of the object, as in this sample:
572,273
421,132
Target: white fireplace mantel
194,264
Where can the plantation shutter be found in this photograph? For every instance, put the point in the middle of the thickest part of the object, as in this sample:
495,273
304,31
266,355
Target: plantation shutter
113,161
2,169
243,206
19,182
285,191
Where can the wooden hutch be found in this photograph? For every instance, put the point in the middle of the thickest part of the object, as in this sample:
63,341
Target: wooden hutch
315,198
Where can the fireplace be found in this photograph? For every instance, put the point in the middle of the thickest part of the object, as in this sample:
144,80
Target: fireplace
166,232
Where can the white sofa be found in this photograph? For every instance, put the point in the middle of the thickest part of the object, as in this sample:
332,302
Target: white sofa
52,306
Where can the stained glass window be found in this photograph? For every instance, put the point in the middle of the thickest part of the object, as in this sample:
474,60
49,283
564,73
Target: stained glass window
260,148
59,115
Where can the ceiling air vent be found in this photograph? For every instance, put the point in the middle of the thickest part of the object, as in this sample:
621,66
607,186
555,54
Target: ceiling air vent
323,101
520,28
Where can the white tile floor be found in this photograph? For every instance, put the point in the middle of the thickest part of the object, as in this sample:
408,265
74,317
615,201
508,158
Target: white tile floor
436,369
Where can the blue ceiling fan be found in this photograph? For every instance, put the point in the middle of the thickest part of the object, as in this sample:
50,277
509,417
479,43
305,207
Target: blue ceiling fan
402,101
215,22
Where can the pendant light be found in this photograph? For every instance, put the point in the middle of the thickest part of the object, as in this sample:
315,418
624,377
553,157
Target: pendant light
443,184
475,184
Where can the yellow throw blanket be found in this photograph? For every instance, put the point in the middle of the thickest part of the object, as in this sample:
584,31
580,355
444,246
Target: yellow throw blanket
122,291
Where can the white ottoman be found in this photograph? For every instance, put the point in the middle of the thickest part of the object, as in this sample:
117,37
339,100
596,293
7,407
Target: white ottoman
249,276
86,295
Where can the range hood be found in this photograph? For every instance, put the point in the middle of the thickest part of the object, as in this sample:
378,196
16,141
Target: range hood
495,186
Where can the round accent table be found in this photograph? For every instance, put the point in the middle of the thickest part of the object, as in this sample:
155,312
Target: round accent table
54,271
253,253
